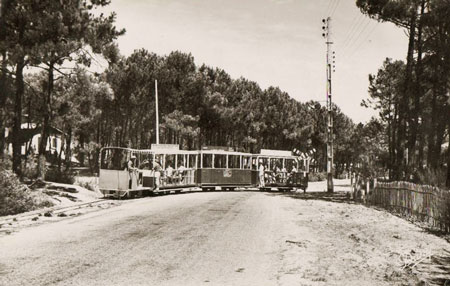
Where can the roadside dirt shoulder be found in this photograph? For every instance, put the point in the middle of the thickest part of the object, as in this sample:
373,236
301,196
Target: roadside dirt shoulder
347,244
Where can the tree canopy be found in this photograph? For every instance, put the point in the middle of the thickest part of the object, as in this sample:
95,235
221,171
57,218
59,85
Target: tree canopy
413,96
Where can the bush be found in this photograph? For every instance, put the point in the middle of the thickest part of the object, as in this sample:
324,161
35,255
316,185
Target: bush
64,177
6,162
316,177
444,208
15,197
432,177
30,168
341,176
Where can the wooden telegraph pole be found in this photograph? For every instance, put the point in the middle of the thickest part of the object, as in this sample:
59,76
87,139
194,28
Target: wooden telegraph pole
330,59
156,111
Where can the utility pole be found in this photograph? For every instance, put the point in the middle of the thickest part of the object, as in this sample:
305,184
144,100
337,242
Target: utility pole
330,60
156,111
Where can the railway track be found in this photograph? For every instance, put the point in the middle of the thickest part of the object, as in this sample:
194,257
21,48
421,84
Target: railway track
54,210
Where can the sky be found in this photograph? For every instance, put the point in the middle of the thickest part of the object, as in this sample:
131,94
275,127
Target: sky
272,42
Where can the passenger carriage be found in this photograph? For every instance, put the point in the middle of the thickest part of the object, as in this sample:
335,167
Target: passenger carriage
162,169
221,168
177,169
283,170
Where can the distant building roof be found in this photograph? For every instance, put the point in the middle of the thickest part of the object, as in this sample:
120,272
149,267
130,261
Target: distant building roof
26,134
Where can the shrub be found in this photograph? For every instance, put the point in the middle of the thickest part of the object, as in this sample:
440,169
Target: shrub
65,177
432,177
15,197
444,208
342,176
5,162
312,177
30,168
316,177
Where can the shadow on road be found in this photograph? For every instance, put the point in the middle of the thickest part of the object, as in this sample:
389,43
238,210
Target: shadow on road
336,197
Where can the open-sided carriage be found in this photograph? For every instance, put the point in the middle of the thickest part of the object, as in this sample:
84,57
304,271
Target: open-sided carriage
177,169
282,170
126,172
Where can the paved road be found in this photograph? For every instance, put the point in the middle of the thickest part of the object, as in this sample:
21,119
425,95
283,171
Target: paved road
245,238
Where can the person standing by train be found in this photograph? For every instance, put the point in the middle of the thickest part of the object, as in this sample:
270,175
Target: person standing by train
261,175
157,171
131,167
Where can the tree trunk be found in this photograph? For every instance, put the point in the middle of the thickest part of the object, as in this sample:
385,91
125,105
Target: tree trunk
447,183
394,171
3,95
45,132
3,78
390,136
68,151
432,128
17,125
404,101
418,92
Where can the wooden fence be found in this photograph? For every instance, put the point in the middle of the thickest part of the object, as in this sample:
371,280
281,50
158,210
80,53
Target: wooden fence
426,203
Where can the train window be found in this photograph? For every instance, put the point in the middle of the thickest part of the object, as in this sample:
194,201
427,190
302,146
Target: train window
275,163
169,160
302,165
159,159
289,164
247,162
234,161
192,161
207,161
220,161
263,161
137,160
254,162
114,159
146,161
181,160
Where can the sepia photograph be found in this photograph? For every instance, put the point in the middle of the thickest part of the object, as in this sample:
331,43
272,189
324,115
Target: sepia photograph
212,142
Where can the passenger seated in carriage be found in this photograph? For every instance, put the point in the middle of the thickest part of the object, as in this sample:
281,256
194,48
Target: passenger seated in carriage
271,176
290,176
169,174
181,173
145,165
277,174
283,175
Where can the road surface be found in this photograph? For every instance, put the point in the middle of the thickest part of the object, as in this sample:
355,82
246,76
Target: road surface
219,238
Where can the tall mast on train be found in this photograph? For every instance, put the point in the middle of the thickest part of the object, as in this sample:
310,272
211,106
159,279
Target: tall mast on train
157,112
327,35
